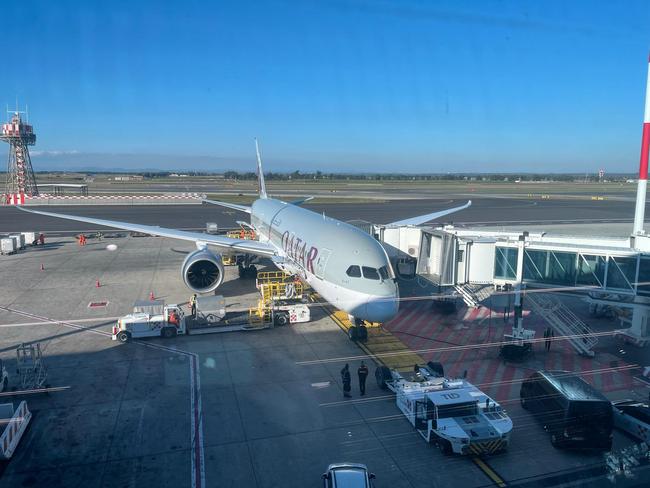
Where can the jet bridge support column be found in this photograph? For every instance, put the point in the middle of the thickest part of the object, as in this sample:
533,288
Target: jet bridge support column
639,331
519,285
520,337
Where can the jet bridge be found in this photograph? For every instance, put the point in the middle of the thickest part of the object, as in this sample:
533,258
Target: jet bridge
609,271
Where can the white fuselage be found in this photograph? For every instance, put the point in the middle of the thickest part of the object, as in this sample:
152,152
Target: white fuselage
327,254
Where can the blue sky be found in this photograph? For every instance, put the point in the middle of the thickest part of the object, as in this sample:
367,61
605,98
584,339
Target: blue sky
335,85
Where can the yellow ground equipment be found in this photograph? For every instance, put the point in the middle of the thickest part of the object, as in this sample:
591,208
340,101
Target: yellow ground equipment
241,233
281,296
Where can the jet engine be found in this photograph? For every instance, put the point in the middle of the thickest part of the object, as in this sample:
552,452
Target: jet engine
202,271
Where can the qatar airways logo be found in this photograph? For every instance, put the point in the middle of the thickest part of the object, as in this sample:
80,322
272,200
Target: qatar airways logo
298,250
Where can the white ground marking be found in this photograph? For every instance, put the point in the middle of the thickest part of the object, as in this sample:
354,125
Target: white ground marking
196,413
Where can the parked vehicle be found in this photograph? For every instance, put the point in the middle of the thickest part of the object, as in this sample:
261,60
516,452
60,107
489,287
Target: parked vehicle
347,475
633,418
572,411
452,413
150,319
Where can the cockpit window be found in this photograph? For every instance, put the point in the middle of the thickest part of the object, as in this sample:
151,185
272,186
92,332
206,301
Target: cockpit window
370,273
354,271
383,272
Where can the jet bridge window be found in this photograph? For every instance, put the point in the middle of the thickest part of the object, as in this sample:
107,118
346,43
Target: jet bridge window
370,273
354,272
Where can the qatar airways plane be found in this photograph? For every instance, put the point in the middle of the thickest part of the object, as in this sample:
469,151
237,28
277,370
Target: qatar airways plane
346,266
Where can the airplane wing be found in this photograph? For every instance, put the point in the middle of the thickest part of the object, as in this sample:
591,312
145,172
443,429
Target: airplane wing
421,219
234,206
226,243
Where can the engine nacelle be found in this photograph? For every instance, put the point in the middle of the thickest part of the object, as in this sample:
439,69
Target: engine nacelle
202,271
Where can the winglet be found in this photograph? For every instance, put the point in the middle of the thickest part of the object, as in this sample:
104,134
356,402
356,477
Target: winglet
260,173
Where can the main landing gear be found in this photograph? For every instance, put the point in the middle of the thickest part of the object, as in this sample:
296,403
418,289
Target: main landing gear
246,269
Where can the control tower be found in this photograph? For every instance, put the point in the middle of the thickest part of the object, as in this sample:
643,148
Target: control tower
20,180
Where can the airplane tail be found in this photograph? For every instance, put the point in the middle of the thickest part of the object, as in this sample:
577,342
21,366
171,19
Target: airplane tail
260,173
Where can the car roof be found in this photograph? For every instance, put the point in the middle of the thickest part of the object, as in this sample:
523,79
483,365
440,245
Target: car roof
572,386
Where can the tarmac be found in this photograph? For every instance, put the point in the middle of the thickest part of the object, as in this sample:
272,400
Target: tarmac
485,211
257,408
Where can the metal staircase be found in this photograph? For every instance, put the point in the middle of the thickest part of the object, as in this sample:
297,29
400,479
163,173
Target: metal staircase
472,295
563,321
30,367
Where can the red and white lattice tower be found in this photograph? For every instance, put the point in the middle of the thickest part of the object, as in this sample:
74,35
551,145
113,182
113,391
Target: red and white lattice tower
21,181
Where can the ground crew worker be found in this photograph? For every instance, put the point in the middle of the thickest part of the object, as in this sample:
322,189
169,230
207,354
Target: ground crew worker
193,305
41,239
549,337
347,380
173,318
363,374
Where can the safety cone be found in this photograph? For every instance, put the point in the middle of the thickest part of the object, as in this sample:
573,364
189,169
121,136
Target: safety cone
42,267
97,285
151,297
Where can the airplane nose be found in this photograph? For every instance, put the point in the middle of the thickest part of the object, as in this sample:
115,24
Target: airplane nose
382,309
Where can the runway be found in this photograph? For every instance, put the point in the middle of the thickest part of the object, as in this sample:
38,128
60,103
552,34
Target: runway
484,211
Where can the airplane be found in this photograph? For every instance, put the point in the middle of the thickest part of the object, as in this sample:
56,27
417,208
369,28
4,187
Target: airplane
346,266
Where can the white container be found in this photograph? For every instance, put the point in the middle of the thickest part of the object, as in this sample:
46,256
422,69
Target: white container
29,237
7,245
20,240
211,228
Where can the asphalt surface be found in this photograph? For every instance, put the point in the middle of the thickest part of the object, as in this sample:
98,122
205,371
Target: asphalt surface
484,211
260,409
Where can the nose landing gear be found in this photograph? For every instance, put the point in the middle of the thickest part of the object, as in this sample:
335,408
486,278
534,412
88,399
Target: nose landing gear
357,331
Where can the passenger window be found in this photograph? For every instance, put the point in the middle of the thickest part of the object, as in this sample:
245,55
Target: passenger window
354,272
370,273
383,272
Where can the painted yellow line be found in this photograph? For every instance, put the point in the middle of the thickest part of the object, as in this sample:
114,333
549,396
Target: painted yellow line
379,341
483,466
